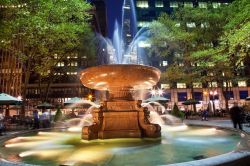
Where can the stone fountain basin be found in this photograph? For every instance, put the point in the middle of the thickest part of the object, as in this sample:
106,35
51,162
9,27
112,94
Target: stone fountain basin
119,76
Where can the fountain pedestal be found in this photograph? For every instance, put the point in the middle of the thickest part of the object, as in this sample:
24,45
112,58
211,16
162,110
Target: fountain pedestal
120,116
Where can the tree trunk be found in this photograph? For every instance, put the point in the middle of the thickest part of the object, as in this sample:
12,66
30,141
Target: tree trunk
192,97
26,81
40,88
224,92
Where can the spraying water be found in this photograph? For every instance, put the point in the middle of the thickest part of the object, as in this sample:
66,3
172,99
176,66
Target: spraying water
127,44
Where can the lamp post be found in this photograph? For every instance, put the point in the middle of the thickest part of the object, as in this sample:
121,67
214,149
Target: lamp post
213,94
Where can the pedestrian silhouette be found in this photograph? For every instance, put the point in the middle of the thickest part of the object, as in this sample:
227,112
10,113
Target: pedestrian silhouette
236,115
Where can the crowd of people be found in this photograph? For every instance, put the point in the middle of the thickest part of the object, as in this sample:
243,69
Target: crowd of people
28,122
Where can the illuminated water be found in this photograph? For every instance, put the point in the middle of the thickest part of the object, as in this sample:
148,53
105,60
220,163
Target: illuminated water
178,144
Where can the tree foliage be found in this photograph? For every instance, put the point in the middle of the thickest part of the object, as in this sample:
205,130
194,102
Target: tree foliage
176,112
59,115
37,30
211,43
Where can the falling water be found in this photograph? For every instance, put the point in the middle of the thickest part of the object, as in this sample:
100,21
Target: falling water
127,44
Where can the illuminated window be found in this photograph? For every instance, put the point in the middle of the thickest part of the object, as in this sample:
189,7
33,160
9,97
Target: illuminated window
216,4
159,4
204,25
58,74
210,74
191,25
71,73
72,64
181,64
60,64
197,85
144,44
143,24
229,84
178,24
181,85
188,4
213,84
242,83
174,4
242,64
164,63
202,4
142,4
165,86
55,56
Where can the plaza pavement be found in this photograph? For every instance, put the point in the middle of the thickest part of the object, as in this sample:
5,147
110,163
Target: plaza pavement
216,122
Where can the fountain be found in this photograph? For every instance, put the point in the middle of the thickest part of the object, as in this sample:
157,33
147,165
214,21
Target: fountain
120,116
125,119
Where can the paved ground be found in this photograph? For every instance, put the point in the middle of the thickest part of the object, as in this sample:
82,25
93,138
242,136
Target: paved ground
217,122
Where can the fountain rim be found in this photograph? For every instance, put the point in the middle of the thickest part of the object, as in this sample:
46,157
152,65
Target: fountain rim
224,158
106,65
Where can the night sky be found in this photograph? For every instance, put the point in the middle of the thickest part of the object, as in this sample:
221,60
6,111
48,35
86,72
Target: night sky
114,8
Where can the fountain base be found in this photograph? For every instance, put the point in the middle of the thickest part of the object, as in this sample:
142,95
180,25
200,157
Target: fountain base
121,119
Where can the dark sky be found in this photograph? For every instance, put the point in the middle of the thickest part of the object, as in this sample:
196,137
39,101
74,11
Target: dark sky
114,8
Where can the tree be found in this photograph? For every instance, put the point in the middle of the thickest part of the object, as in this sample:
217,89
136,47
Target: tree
59,115
188,30
44,28
225,58
236,37
176,112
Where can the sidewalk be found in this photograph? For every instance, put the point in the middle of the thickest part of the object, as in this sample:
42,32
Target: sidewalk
216,122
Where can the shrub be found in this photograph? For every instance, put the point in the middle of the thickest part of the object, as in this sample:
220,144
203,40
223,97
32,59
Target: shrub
176,112
59,115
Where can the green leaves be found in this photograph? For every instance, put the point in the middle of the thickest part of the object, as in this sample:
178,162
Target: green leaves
44,28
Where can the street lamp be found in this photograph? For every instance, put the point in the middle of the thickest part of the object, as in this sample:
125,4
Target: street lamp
155,92
90,97
213,94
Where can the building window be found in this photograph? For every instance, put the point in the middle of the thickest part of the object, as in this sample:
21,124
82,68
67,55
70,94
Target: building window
142,4
71,73
55,56
204,25
213,84
197,85
60,64
164,63
216,4
202,4
178,24
143,24
242,83
181,64
198,96
159,4
230,95
229,84
191,25
188,4
72,64
167,95
144,44
243,94
165,86
181,85
210,74
174,4
182,96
